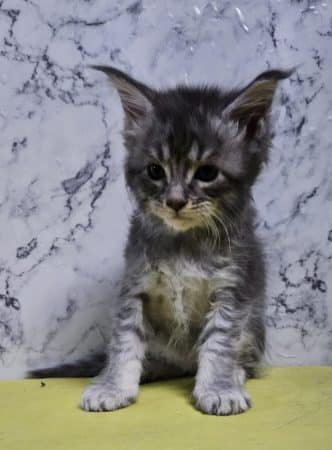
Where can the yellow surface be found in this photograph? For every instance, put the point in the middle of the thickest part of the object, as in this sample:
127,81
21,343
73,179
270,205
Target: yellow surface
292,411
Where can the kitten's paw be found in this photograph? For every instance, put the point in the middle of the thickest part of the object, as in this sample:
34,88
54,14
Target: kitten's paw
100,397
222,403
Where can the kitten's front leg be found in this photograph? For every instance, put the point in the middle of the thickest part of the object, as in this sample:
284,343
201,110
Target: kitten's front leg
118,384
219,387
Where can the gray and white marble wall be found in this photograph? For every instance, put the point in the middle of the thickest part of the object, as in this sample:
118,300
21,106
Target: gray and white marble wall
63,203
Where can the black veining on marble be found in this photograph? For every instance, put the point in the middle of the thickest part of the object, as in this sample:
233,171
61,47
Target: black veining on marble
24,251
293,307
272,28
72,185
136,8
10,302
11,328
300,302
303,200
71,308
18,145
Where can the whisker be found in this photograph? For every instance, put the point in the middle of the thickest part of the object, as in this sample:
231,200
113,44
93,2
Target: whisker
213,218
222,223
210,224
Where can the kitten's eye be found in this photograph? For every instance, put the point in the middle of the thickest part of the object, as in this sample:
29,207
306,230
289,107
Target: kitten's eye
156,172
206,173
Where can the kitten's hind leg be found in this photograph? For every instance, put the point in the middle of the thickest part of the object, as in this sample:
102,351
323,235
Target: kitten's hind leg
117,385
252,346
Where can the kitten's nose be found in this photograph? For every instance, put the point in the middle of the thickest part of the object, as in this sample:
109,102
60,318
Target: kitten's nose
176,203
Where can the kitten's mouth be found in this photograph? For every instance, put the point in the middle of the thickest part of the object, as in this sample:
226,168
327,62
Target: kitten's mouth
178,221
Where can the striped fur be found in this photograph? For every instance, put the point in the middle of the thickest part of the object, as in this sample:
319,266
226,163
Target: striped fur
192,299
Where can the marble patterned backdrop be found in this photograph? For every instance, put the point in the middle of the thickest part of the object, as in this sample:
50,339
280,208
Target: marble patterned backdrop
63,203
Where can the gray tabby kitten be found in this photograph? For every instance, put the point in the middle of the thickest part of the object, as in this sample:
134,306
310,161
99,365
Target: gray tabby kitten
192,298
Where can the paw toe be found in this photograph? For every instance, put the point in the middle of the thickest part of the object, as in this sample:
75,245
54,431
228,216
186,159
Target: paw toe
102,398
223,403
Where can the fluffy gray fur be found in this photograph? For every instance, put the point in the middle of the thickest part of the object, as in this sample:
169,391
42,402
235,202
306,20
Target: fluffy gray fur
193,293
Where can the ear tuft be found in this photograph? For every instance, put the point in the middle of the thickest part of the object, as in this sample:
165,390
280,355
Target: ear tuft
254,101
136,97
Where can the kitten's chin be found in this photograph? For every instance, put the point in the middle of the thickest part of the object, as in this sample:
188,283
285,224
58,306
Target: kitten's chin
179,224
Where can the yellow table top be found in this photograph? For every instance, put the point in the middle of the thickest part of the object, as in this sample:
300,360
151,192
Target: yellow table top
292,411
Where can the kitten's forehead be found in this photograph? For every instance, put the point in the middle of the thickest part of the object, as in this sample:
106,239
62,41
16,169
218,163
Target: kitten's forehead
192,137
194,151
182,146
192,154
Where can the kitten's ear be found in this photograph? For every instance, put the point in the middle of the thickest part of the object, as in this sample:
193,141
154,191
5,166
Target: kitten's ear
136,98
254,101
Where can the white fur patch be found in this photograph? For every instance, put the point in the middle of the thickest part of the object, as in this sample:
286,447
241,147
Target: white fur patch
181,292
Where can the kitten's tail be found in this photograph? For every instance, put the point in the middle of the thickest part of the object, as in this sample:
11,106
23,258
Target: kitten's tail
86,367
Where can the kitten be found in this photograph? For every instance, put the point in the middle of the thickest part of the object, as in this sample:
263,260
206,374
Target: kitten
192,297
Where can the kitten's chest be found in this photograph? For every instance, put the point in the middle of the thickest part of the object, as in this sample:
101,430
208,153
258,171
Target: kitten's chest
177,297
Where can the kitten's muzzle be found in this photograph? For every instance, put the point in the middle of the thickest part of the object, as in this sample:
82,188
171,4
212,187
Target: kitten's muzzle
175,197
176,203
